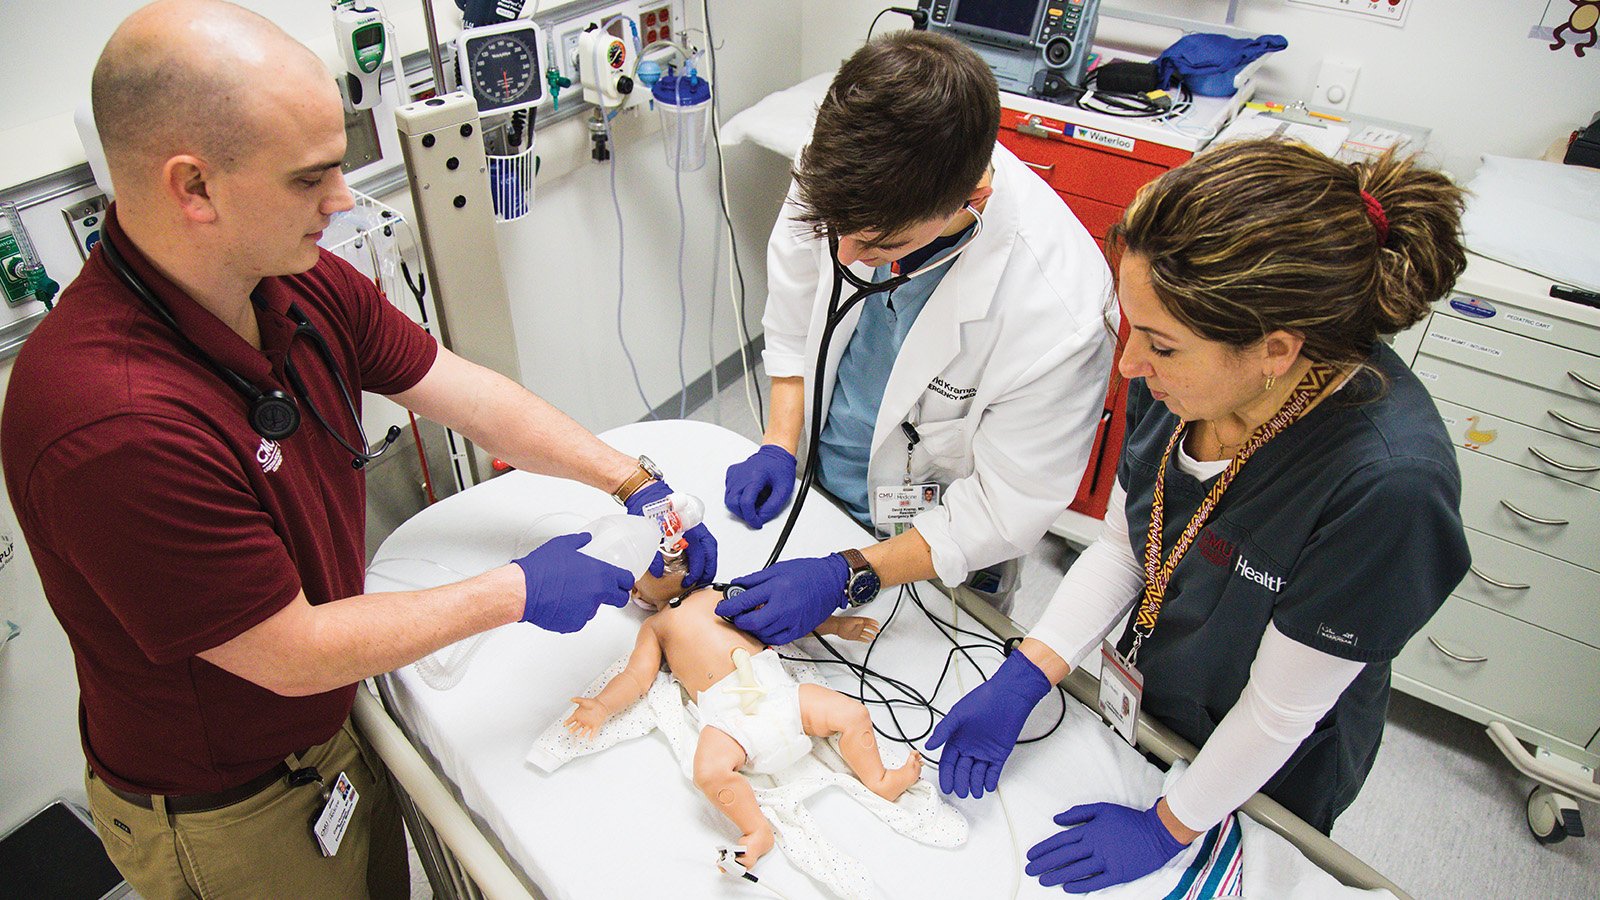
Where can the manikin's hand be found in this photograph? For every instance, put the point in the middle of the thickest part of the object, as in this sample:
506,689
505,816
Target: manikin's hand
759,487
982,728
565,588
1109,845
784,601
586,720
854,628
700,556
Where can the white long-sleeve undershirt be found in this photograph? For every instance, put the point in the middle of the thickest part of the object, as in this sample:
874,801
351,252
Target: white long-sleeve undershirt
1291,686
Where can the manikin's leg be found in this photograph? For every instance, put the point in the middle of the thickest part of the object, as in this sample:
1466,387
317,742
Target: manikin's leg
717,759
825,712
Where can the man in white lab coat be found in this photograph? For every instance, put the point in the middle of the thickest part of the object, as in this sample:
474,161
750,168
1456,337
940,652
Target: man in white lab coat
958,407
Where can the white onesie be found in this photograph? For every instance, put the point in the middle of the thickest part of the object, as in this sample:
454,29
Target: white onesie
771,734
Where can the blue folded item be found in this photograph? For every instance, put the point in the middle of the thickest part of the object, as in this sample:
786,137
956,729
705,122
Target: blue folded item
1207,63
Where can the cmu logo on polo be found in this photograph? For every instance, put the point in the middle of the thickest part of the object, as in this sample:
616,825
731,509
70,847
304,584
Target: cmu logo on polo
1273,583
269,455
1216,550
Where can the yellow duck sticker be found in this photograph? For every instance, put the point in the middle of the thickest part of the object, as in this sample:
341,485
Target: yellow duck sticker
1476,437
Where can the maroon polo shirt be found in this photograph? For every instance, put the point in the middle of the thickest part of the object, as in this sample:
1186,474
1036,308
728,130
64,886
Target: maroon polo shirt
163,526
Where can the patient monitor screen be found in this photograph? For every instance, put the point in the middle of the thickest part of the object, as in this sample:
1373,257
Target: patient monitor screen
1007,16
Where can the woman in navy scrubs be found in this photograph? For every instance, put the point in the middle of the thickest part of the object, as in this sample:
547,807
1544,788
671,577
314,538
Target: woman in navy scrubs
1286,514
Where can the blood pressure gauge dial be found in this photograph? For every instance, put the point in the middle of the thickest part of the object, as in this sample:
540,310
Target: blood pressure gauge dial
501,67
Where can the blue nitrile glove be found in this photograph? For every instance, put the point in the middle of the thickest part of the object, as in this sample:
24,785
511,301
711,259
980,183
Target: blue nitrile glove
759,487
784,601
982,728
1110,845
700,556
565,588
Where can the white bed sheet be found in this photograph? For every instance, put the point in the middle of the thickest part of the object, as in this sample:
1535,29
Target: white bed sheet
625,823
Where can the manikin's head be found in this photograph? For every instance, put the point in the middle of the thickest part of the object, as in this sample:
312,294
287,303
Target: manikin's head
656,593
223,134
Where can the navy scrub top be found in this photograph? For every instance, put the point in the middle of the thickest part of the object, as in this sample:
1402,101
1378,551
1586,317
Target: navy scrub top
1344,530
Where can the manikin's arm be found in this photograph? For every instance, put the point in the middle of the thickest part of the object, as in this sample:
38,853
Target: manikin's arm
629,685
850,628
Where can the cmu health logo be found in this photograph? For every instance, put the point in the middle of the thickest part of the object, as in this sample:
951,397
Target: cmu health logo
1215,550
269,455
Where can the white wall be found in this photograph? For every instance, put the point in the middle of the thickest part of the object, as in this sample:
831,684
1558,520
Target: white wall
565,309
1466,68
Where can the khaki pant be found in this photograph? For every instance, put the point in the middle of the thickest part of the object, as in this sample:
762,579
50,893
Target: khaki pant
262,846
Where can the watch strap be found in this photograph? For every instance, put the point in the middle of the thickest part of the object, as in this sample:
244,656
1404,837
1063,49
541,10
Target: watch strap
633,483
855,559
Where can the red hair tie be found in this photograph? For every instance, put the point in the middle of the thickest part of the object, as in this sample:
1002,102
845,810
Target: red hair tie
1380,220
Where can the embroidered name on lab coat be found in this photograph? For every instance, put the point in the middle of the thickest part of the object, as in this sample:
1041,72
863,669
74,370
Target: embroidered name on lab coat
946,389
1273,583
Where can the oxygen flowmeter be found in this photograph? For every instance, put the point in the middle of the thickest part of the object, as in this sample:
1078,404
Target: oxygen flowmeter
358,30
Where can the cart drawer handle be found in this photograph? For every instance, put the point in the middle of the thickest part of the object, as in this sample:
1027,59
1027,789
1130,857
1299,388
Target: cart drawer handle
1456,656
1037,167
1573,423
1583,381
1560,465
1499,584
1532,518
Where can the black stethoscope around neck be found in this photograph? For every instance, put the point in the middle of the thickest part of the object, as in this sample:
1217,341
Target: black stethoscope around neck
836,314
273,414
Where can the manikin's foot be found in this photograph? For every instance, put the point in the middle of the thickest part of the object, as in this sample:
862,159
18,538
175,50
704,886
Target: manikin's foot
897,781
756,844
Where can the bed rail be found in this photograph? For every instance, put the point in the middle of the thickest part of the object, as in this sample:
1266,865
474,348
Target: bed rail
460,862
1157,739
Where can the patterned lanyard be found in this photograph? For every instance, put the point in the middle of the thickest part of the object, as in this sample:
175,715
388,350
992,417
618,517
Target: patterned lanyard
1157,575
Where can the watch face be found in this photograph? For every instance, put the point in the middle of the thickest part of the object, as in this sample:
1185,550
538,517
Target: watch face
863,586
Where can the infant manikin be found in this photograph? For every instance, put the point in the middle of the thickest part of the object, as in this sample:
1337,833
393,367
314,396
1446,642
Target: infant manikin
754,717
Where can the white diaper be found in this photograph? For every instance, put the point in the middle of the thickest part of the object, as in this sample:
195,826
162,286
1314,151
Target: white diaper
771,734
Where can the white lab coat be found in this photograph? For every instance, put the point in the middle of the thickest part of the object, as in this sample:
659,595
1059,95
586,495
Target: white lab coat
1003,373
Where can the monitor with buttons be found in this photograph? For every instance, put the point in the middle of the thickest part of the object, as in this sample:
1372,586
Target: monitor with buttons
1039,48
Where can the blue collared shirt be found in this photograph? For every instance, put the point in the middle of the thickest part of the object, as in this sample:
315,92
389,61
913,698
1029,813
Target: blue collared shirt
886,318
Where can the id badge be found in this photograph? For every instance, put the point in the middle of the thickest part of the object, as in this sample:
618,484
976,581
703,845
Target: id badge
894,506
335,818
1121,687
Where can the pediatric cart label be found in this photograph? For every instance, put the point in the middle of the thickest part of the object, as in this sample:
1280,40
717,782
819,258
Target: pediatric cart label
335,817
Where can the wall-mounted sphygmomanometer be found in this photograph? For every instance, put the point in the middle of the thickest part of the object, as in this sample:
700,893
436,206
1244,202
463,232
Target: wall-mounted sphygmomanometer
500,66
1035,47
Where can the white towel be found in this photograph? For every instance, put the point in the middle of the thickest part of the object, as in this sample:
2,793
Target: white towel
919,814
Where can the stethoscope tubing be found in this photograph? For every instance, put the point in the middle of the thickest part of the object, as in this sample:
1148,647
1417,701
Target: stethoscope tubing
836,314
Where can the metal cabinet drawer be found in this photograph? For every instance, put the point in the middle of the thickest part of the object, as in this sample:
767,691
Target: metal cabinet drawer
1509,356
1545,410
1553,594
1530,675
1515,443
1097,217
1554,517
1536,324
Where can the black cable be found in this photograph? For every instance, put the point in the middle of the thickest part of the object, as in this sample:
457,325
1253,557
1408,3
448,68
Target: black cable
917,15
722,198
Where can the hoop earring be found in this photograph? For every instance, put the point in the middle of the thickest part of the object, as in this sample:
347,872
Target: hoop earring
1271,380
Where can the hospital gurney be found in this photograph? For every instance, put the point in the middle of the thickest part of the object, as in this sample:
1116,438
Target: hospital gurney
625,823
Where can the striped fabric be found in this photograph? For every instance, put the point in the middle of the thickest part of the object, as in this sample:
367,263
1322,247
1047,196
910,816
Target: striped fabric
1217,870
